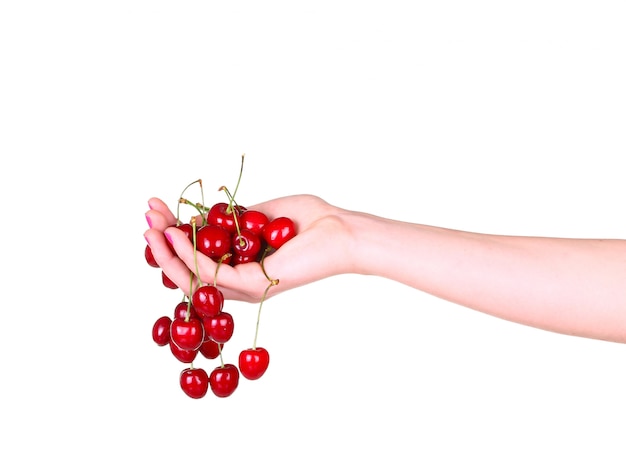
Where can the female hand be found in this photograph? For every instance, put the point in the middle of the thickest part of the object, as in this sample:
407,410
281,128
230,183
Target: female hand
318,250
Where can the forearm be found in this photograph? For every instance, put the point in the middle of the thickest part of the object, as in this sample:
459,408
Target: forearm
570,286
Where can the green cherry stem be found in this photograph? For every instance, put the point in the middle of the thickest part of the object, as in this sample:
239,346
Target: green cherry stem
199,207
219,347
181,196
273,283
231,202
217,268
262,262
258,316
240,173
194,229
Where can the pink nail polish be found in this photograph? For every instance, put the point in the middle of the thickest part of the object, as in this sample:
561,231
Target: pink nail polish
168,237
149,221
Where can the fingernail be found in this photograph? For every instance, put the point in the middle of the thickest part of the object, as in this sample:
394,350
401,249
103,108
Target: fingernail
147,240
168,237
149,221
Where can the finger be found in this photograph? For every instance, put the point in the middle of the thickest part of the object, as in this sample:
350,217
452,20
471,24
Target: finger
201,265
157,221
158,205
169,263
244,282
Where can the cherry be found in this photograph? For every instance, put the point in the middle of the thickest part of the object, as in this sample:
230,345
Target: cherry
278,231
183,355
187,334
223,215
253,362
194,382
239,259
207,300
161,330
185,227
229,234
181,309
210,349
150,257
224,380
246,244
220,327
169,283
213,241
253,220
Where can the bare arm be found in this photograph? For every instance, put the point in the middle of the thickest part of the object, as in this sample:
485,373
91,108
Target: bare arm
570,286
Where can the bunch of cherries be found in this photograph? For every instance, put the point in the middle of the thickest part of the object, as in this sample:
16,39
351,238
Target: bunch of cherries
230,234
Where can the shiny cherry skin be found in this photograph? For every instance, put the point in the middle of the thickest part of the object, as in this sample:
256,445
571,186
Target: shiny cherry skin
239,259
219,215
224,380
220,327
183,355
278,231
161,330
253,362
187,334
253,220
213,241
210,349
247,244
194,382
207,300
180,311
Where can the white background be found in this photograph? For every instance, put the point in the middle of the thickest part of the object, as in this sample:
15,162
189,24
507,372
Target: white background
503,117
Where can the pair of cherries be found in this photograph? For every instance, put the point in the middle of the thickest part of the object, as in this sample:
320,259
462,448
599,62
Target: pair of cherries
229,234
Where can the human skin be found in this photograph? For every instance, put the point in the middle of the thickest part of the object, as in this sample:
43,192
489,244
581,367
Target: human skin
564,285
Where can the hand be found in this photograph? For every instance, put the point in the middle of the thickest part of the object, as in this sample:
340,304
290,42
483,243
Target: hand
319,250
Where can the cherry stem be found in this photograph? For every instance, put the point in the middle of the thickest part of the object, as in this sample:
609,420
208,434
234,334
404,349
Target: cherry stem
229,210
274,282
219,347
195,253
181,196
217,268
198,206
262,262
240,173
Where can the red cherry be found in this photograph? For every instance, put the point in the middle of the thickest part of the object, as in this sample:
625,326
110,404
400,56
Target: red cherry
213,241
220,327
194,382
169,283
180,311
161,330
149,257
278,231
239,259
207,300
220,216
253,362
224,380
247,244
183,355
185,227
187,334
210,349
253,220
